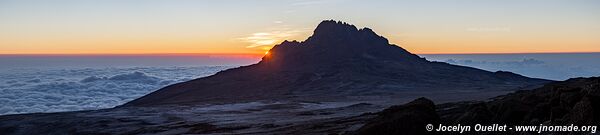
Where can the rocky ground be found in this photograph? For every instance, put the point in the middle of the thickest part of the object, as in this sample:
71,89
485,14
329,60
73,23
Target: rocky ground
259,117
575,101
241,118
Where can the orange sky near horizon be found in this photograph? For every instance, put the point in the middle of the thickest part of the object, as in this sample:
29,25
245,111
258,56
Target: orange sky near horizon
232,27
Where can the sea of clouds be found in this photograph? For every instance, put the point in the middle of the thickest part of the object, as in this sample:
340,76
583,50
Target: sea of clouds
32,90
56,84
546,66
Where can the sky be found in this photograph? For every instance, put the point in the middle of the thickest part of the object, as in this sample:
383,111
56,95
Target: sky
253,26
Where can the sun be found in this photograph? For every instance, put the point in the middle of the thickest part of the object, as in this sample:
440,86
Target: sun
266,52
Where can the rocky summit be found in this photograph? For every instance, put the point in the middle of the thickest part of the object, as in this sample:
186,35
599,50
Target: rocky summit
338,62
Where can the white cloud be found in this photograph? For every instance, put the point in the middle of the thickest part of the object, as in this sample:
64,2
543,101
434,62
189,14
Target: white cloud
85,89
310,2
307,3
271,37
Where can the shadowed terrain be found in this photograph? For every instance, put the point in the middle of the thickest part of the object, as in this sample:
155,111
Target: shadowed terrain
338,62
575,101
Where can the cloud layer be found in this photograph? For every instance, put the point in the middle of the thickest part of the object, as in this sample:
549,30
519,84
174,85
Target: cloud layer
56,90
555,66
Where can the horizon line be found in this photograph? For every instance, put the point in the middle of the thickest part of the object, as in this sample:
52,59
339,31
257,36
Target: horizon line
509,53
250,54
129,54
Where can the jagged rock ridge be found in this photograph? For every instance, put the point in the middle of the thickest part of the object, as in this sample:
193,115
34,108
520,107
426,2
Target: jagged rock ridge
336,62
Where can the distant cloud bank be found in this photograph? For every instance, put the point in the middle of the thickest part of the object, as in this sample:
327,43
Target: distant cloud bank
547,66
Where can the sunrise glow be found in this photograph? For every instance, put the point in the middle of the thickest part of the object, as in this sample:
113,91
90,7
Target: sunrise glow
118,27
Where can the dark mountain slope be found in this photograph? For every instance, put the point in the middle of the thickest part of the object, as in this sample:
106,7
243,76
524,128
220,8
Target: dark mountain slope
336,62
575,101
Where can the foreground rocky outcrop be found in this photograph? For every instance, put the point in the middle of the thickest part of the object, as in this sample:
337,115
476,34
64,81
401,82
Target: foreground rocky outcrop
408,119
575,101
338,62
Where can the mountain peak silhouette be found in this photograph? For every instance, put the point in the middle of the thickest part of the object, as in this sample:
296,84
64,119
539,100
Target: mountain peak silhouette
334,42
338,31
331,28
337,62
